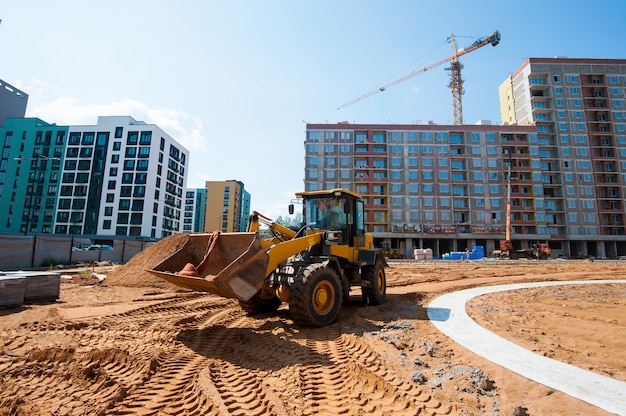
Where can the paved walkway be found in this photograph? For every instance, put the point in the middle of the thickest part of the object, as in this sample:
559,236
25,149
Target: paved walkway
447,313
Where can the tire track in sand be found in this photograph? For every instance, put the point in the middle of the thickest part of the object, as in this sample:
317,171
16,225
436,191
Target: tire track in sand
200,355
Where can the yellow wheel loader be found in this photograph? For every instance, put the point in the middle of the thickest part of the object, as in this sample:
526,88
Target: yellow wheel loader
311,268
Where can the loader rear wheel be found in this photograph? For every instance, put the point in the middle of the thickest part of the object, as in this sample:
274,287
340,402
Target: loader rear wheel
375,294
315,296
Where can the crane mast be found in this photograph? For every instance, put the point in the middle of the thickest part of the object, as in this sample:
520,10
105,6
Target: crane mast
456,82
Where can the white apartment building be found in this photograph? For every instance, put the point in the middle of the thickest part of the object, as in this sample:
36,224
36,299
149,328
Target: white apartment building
121,177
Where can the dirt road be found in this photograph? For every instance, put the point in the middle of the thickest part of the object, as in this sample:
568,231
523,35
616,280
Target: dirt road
128,346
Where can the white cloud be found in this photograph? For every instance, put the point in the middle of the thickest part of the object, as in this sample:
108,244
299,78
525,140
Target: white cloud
185,129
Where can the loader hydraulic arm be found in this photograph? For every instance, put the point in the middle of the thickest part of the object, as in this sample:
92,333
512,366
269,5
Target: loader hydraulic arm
283,244
281,233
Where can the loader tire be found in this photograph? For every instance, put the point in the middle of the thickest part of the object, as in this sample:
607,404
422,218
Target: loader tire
375,275
258,304
315,296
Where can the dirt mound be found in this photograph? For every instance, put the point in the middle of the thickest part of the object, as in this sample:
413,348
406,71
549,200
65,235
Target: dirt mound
134,273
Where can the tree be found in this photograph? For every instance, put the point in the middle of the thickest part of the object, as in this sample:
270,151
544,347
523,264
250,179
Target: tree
290,221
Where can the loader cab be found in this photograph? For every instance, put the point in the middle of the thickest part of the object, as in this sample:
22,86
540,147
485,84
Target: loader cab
335,210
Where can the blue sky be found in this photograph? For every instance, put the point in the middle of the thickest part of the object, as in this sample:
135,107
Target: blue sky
236,81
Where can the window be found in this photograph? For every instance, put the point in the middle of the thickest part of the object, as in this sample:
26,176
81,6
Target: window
74,138
131,138
88,138
146,137
82,177
137,206
124,204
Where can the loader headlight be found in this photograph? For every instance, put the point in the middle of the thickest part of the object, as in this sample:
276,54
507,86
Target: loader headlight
333,237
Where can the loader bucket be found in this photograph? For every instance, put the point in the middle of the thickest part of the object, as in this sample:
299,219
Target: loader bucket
231,265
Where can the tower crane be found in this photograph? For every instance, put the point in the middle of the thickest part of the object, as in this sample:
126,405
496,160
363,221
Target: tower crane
456,83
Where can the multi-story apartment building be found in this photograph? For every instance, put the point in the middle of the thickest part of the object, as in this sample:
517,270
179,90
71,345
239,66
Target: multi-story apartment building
12,102
120,177
195,210
433,186
445,187
579,109
227,206
244,215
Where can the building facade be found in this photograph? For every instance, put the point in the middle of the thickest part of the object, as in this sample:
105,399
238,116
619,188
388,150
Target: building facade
442,187
579,109
195,210
227,206
120,177
12,102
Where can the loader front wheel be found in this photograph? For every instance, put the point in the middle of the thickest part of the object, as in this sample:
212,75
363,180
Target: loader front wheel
376,292
315,296
259,304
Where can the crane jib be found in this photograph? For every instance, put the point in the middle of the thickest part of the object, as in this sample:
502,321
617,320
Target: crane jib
493,39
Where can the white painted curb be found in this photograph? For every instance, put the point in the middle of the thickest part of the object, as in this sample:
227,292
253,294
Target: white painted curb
448,314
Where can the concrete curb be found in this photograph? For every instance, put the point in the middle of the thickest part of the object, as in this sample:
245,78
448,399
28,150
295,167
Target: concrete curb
448,314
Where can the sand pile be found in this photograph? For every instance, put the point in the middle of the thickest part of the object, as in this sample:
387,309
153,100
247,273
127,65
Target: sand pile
134,273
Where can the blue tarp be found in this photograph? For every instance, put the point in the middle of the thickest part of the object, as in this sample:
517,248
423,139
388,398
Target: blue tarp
478,252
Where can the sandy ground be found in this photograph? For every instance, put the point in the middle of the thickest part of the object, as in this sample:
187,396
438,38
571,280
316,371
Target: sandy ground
134,344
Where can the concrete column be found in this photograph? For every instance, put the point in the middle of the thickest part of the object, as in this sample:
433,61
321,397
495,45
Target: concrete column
408,243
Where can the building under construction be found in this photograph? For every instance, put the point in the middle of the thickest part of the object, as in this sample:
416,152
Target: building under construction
445,186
